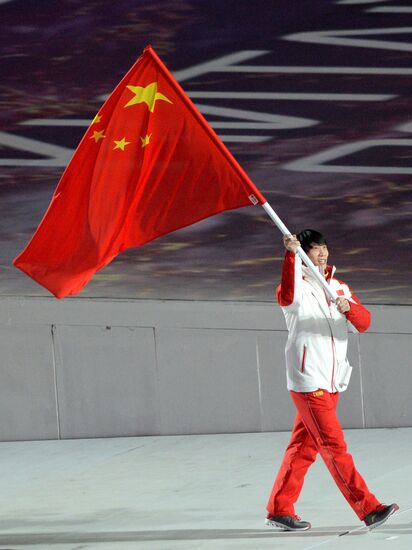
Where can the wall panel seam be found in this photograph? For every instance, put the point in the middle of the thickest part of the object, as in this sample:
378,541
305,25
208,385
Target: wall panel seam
56,390
259,381
157,386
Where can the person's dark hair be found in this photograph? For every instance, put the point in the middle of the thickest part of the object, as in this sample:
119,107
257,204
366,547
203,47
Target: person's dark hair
309,236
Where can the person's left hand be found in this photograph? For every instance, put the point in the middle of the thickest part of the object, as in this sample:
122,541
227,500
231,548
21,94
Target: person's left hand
343,305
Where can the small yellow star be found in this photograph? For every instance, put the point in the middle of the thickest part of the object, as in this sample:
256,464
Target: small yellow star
146,140
148,95
96,119
121,144
98,135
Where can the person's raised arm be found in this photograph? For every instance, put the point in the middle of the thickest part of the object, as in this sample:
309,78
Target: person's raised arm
289,292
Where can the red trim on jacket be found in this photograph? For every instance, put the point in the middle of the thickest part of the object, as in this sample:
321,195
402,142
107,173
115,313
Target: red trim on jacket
302,367
285,292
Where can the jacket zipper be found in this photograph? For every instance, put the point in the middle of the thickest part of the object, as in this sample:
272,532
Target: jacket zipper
333,345
334,362
305,349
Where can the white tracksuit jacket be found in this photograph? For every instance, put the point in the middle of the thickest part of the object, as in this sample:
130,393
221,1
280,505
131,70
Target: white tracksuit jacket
318,333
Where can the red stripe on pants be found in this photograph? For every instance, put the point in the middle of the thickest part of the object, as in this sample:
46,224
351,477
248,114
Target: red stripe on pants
317,429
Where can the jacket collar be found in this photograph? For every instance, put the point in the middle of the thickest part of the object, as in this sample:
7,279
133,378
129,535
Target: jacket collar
328,273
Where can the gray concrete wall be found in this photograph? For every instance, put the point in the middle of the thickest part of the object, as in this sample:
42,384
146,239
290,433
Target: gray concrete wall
95,368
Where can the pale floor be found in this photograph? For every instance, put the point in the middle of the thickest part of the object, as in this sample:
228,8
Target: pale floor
191,492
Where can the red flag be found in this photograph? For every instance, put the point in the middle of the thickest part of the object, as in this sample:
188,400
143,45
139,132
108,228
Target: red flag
148,164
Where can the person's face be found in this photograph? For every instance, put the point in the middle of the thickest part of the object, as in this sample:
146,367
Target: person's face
318,253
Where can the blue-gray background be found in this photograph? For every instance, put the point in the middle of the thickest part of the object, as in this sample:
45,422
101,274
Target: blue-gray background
341,91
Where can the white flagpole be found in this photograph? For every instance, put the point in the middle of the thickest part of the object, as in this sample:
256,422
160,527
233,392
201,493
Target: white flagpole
278,222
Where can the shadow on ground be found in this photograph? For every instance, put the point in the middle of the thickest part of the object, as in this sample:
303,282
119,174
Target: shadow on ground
190,534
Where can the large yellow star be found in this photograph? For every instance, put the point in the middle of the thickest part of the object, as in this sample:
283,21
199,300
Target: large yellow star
121,144
98,135
148,95
146,140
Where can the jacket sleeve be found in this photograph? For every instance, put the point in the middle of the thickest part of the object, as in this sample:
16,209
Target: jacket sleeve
358,315
289,292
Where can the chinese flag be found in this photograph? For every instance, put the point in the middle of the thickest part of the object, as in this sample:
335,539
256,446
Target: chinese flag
148,164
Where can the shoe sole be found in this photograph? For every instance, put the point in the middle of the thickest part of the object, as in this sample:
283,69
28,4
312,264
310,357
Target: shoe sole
394,509
271,523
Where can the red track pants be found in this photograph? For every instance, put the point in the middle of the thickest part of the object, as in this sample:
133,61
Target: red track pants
317,429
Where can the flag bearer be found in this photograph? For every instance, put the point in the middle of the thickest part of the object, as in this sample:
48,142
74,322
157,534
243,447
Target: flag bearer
317,371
